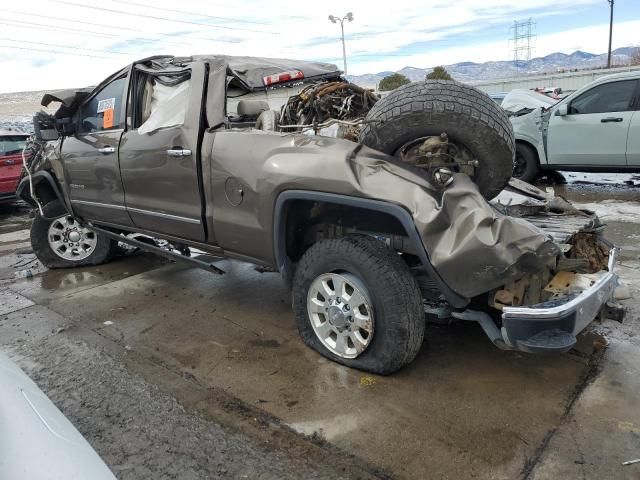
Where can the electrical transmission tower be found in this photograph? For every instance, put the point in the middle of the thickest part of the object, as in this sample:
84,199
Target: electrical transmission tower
523,39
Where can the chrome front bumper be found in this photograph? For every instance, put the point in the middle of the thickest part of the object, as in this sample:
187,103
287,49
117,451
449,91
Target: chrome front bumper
552,326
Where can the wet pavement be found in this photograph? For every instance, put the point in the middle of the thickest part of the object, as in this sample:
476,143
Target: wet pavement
225,348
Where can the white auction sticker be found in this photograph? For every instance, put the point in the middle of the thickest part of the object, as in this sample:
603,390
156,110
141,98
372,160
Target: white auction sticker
106,104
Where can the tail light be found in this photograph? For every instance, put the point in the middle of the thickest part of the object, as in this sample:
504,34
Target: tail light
282,77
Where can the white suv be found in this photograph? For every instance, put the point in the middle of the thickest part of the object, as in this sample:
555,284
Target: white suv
595,129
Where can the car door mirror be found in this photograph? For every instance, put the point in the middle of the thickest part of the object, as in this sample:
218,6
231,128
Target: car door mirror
66,126
562,110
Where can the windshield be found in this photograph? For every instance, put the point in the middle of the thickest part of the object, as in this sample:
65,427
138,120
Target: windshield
10,145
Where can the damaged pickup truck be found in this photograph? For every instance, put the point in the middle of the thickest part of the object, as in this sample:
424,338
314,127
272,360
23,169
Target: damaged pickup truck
372,210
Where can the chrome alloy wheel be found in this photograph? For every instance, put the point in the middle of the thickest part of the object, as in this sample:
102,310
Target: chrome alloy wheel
70,240
341,314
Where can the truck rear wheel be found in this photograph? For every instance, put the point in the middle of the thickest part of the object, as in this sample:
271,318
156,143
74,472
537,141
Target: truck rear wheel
64,243
357,303
440,124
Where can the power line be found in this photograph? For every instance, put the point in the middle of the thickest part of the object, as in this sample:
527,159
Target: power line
153,17
239,20
42,26
49,17
65,46
52,51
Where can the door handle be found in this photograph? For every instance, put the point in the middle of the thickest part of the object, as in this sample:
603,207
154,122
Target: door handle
178,152
107,150
611,119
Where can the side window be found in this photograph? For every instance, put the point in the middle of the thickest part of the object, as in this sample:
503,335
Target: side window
608,97
102,112
160,101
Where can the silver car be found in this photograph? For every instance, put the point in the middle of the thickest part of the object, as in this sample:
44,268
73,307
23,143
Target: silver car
36,440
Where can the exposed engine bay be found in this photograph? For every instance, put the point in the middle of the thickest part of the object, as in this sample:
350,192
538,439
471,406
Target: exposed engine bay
584,257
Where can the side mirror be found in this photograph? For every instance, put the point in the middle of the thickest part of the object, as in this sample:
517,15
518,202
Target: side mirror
562,110
66,126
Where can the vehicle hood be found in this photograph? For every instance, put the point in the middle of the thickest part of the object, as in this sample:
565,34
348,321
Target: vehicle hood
67,98
517,100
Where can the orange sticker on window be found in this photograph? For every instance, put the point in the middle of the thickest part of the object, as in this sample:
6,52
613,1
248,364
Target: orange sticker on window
107,119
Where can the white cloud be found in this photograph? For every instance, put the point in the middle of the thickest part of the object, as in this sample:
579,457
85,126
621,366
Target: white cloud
285,28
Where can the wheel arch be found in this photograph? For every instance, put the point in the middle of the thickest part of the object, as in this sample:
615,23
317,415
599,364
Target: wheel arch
45,186
282,222
536,148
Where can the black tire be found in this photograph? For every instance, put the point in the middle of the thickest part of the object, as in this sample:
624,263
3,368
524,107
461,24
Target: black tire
468,116
397,303
104,249
526,166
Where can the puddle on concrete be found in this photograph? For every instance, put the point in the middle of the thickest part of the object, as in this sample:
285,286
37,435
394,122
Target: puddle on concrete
46,284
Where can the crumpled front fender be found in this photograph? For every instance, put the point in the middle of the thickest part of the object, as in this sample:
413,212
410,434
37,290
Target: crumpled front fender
473,247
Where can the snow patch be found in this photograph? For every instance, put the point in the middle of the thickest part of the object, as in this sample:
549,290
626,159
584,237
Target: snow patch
613,210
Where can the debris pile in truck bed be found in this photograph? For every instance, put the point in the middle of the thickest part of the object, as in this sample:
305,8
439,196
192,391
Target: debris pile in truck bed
320,102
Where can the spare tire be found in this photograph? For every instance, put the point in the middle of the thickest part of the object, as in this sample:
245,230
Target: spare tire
471,121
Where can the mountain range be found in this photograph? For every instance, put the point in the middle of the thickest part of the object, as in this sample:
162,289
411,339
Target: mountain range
470,71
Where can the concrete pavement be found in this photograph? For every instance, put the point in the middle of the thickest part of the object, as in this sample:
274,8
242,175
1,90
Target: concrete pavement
225,347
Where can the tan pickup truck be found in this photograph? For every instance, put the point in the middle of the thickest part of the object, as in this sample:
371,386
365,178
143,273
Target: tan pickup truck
373,211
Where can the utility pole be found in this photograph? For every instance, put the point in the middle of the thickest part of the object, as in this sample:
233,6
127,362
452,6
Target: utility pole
334,19
610,33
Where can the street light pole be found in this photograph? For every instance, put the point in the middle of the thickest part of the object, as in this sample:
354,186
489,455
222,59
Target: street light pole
610,33
334,19
344,49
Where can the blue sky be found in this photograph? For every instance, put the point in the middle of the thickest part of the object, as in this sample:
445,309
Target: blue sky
67,43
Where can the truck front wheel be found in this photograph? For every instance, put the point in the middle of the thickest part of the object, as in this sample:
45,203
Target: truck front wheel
64,243
357,303
526,166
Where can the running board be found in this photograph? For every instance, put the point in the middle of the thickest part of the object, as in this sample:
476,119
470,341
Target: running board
202,261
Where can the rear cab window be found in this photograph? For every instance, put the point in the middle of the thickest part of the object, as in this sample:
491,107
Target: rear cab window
103,111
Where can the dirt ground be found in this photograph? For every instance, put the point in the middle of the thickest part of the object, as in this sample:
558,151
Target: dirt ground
196,375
